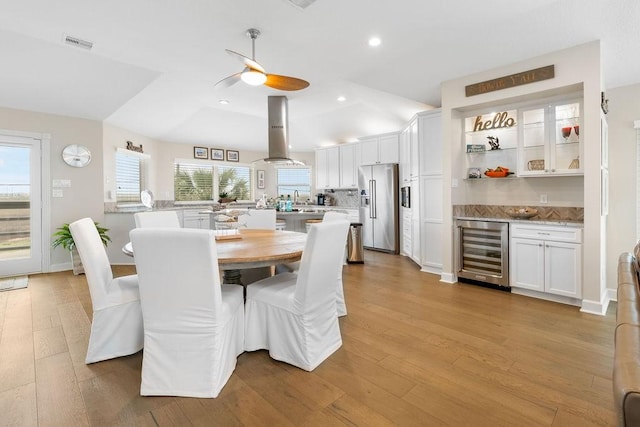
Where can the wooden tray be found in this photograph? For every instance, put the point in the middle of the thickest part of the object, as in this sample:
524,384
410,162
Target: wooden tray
229,237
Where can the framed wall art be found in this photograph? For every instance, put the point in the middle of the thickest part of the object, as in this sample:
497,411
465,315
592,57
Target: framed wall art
201,153
233,156
260,180
217,154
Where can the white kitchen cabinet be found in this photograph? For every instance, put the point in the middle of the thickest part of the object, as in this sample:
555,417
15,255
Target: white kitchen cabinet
380,149
195,219
349,165
430,133
549,140
431,217
328,168
405,156
546,259
414,144
416,253
407,246
429,186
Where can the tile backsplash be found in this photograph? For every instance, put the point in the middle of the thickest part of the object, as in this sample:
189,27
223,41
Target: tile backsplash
551,213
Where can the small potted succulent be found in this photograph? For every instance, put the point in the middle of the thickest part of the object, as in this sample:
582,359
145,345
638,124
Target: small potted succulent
64,238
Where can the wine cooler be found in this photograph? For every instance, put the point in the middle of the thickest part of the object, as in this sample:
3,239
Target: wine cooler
483,251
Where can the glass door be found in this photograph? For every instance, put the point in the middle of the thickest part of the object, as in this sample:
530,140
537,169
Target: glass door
20,202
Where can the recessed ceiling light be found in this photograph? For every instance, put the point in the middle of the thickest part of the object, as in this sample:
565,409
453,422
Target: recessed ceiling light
374,41
341,99
223,101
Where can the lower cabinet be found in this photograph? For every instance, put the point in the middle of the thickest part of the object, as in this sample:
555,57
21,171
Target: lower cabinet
195,219
405,233
546,259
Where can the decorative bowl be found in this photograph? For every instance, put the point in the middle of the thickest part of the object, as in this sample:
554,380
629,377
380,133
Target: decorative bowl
496,174
522,213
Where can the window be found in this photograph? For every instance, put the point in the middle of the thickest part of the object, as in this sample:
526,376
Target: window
292,179
130,171
235,181
192,182
201,182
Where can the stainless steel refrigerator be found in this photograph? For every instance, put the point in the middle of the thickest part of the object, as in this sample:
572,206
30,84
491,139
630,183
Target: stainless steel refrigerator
378,188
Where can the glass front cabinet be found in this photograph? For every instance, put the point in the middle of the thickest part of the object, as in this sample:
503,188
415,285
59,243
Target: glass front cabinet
534,140
549,140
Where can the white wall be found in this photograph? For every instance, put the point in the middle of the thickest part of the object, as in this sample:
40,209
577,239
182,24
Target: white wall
621,223
577,68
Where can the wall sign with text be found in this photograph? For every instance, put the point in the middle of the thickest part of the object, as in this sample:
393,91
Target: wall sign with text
493,131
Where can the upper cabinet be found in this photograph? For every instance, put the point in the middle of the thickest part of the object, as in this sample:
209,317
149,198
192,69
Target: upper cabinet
349,157
550,142
337,167
327,168
530,140
379,149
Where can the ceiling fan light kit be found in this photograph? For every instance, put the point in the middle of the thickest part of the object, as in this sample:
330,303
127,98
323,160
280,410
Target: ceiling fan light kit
253,78
255,75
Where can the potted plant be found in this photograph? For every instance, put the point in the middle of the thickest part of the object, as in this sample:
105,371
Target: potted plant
64,238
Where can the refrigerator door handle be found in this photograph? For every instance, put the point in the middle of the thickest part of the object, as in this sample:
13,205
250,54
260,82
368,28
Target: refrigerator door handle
374,199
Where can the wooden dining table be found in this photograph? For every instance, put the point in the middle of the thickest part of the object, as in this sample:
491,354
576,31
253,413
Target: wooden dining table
244,248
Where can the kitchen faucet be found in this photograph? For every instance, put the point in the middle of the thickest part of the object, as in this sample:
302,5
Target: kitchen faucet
296,197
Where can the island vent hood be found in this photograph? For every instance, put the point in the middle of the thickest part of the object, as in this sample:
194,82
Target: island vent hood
278,119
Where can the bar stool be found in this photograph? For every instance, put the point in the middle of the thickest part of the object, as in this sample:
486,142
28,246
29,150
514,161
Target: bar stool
310,222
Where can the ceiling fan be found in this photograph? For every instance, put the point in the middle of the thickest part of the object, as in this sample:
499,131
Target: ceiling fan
254,74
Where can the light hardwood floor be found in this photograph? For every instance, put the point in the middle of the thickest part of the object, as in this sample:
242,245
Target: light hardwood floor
415,352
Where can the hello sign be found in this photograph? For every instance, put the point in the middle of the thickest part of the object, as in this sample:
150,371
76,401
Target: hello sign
499,121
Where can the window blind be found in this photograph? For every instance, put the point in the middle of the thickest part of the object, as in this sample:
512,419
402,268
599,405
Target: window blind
193,182
235,181
129,178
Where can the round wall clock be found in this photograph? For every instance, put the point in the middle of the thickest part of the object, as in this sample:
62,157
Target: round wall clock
76,155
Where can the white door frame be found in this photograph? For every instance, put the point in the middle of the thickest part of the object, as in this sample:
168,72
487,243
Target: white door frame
45,190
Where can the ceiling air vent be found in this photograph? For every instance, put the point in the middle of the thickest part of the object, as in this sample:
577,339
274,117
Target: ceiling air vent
74,41
301,4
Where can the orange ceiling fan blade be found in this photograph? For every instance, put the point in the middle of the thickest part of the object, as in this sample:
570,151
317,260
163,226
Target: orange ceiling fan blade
246,60
285,83
228,81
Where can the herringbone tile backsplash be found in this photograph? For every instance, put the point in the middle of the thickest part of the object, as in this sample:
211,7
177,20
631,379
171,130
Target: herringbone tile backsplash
551,213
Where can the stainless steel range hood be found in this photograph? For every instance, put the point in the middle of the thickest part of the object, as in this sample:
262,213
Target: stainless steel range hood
278,120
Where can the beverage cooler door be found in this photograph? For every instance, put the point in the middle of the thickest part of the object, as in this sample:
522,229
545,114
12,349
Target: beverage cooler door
483,248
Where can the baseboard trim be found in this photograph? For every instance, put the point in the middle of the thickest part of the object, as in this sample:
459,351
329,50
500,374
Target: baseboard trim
596,307
448,278
63,266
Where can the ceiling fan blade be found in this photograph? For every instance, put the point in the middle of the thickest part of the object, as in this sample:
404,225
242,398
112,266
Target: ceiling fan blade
228,81
285,83
246,60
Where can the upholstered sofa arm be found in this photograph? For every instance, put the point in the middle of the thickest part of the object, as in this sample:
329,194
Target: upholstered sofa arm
626,364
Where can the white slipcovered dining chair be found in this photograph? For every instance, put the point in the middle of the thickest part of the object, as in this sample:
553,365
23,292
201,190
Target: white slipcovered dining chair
294,315
264,219
293,267
193,325
116,327
157,219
